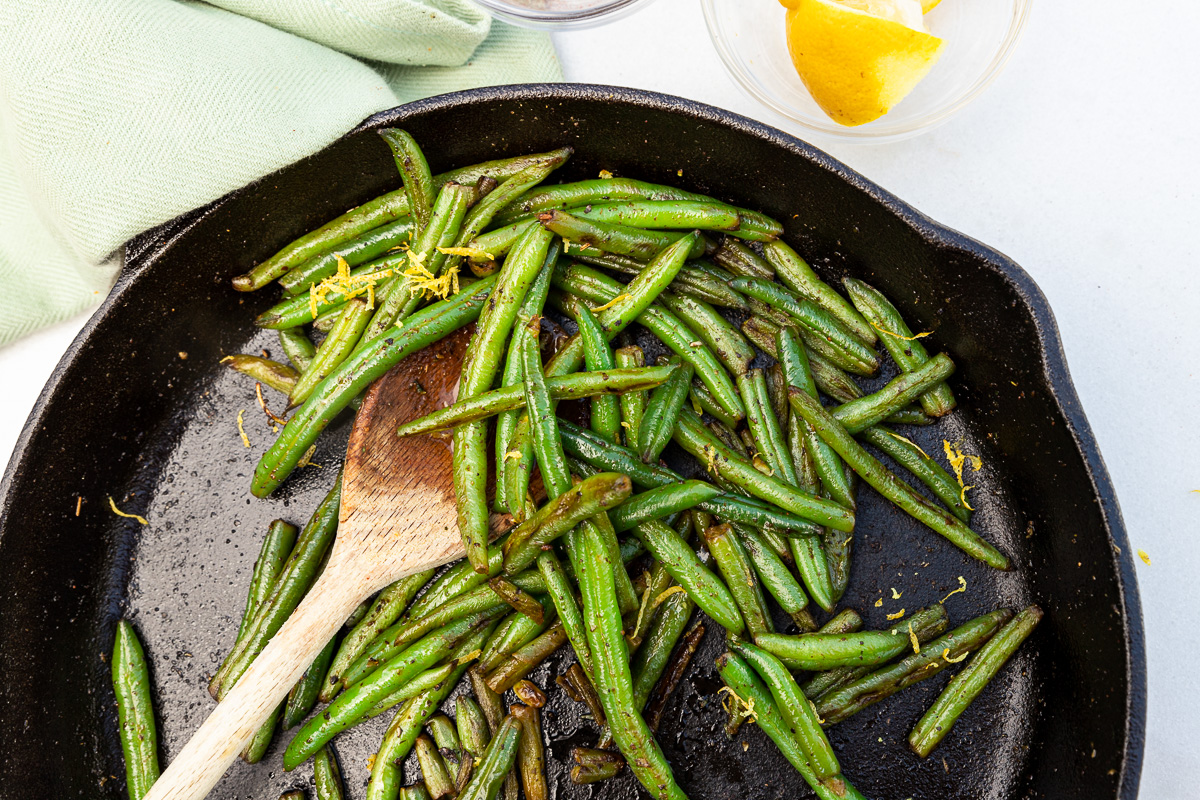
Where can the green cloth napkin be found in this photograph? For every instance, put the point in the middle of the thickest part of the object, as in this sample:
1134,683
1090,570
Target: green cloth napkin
118,115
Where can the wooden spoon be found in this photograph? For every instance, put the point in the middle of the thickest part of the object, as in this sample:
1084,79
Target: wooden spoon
397,517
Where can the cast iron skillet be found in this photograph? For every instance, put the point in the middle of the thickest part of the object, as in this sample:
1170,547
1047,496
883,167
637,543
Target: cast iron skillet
140,410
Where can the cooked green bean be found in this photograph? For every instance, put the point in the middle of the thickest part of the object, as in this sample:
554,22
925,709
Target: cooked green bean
499,241
529,693
764,426
924,468
579,233
135,712
279,377
691,434
531,757
445,736
714,330
392,675
597,493
385,610
360,249
497,762
932,659
905,348
303,696
580,689
795,273
327,775
632,402
298,348
296,310
750,692
415,792
276,547
289,588
870,409
891,487
524,659
740,259
798,712
681,561
349,380
518,463
336,348
515,632
583,774
473,730
663,214
517,599
655,651
820,651
775,576
661,502
597,355
691,280
673,675
703,400
662,410
414,169
433,769
964,687
738,573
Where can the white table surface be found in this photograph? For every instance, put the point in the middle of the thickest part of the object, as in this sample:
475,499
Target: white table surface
1081,164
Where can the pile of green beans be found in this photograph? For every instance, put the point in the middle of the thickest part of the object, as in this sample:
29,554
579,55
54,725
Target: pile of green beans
616,558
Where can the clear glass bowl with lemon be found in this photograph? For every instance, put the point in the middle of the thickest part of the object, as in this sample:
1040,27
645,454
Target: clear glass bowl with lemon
865,70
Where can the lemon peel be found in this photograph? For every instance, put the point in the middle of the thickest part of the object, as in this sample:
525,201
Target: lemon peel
912,637
958,460
914,337
748,713
611,303
897,615
962,587
343,284
467,252
1144,556
676,589
946,657
908,441
112,504
241,423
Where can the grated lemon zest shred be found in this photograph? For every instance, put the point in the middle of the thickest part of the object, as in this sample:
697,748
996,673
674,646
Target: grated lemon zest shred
422,280
242,427
1144,556
606,175
676,589
958,460
908,441
112,504
912,637
898,336
748,714
897,615
879,603
345,285
467,252
611,303
512,455
949,660
962,587
896,595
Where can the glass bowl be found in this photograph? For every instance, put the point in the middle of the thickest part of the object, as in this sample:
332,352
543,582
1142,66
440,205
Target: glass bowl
559,14
980,35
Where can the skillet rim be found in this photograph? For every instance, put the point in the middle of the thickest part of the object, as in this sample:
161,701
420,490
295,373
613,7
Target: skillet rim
141,253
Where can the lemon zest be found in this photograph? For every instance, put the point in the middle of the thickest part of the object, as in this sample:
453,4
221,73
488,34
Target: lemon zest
896,595
748,714
1144,556
467,252
471,656
112,504
676,589
710,458
422,280
912,637
242,427
512,454
345,285
879,603
606,174
306,459
962,587
958,460
908,441
897,615
815,714
762,466
898,336
949,660
611,303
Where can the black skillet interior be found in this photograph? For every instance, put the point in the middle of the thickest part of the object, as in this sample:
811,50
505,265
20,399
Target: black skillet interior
139,410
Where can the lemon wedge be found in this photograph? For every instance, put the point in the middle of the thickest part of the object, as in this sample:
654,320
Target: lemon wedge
859,58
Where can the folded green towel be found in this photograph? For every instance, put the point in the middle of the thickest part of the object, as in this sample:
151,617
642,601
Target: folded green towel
118,115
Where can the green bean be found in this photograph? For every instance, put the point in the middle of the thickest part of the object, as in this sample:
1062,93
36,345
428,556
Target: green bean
597,355
135,712
303,696
860,414
518,469
583,445
597,493
612,238
691,280
764,426
580,689
296,310
682,563
415,792
515,632
691,434
754,225
681,658
714,330
276,547
365,247
663,214
924,468
740,259
797,711
610,383
655,651
279,377
932,659
775,576
392,675
633,402
336,348
891,487
583,774
738,573
385,610
524,659
531,757
817,651
506,422
905,348
570,621
499,241
703,401
498,760
297,576
473,730
445,736
327,775
295,794
729,438
479,367
663,409
750,692
414,169
611,657
298,348
433,769
964,687
661,502
795,273
517,599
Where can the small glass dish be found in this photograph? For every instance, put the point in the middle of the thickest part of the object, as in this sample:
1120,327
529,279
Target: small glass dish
560,14
750,37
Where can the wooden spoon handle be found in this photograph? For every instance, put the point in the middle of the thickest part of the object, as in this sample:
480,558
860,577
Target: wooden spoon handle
206,757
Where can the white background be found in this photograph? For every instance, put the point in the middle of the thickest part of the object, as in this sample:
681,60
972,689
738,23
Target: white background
1080,163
